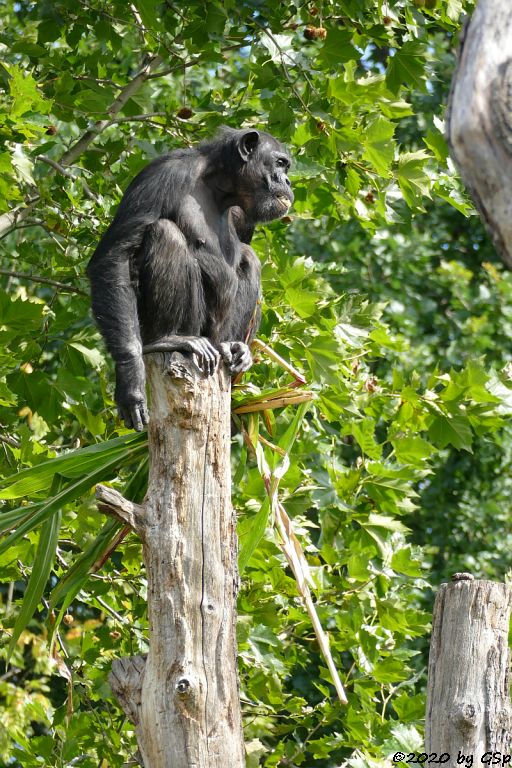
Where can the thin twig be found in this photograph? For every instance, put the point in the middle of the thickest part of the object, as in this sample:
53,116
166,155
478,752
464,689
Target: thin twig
44,280
284,67
140,25
8,440
21,226
68,175
18,214
88,78
259,344
134,118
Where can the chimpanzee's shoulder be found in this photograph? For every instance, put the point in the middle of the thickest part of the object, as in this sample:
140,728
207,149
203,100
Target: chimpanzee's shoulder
180,164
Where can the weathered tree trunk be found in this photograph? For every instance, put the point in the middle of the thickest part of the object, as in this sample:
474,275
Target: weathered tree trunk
183,698
479,127
468,704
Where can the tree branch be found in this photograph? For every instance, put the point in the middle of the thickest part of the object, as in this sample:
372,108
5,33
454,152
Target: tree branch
112,503
18,214
68,175
8,440
117,105
7,220
43,280
126,683
136,118
479,125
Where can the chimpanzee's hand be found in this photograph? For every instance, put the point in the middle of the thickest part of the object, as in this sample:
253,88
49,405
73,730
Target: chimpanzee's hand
236,355
207,357
205,354
131,393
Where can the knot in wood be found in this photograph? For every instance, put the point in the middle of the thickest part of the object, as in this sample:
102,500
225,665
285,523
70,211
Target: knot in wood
183,686
466,716
469,712
178,369
503,720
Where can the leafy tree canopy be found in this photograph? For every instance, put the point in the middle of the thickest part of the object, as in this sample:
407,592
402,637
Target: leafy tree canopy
379,401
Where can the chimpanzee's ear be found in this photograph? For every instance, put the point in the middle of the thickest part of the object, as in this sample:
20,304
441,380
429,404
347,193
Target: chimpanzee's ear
247,143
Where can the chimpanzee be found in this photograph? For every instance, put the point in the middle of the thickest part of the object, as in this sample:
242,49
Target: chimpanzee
175,271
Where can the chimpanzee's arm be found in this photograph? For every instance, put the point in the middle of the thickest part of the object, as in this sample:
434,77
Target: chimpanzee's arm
114,301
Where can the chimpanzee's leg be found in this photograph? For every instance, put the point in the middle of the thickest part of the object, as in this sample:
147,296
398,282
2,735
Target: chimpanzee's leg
244,320
171,300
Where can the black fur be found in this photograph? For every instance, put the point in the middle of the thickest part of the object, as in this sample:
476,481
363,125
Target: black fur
175,270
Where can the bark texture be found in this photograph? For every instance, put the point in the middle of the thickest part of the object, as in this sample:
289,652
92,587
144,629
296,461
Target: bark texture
183,697
479,128
468,704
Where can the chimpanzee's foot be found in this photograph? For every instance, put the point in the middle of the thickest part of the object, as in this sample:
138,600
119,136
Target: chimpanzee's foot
236,355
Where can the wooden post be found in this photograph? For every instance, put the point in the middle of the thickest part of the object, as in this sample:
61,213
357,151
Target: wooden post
479,119
468,705
183,698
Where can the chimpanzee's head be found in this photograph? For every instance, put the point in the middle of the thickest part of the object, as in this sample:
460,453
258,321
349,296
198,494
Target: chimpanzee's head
263,184
250,167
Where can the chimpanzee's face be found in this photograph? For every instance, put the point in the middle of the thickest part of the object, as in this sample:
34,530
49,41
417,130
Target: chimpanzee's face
265,187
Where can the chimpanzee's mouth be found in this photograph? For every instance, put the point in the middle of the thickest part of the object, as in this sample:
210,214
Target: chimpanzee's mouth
284,202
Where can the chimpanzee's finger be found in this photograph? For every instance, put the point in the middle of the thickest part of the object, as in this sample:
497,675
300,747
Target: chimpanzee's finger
225,353
136,418
124,415
242,358
144,416
211,356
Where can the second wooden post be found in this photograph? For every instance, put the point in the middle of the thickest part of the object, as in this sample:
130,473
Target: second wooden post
468,700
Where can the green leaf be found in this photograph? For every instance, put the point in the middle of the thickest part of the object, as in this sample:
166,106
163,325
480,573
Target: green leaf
92,356
73,464
251,531
436,142
287,440
74,579
41,570
412,450
390,671
304,302
376,520
69,493
379,147
403,562
357,567
337,48
413,178
409,708
148,13
454,430
407,66
91,100
24,93
352,182
364,433
454,9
